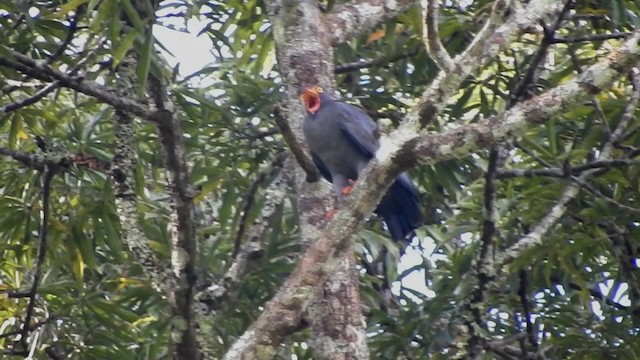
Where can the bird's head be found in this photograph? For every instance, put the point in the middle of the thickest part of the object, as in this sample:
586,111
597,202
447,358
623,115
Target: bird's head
312,97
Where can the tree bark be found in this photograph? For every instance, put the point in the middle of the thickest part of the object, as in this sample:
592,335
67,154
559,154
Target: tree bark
306,59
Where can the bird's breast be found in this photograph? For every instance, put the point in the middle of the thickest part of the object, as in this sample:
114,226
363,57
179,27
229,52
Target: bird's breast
326,140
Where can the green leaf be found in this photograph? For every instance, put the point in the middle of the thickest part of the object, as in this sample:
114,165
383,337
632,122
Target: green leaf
133,15
123,46
144,62
70,6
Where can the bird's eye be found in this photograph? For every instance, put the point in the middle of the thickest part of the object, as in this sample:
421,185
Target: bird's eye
319,89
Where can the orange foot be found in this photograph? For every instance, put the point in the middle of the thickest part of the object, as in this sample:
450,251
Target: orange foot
330,214
347,189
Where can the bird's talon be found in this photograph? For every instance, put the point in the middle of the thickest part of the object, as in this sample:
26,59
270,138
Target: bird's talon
330,214
347,189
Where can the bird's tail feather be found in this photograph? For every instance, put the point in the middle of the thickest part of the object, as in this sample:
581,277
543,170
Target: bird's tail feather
400,209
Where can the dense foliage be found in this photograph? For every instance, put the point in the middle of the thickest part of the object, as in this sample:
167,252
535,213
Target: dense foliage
575,297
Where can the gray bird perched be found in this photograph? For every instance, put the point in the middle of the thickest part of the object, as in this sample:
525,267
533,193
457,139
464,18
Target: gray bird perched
342,139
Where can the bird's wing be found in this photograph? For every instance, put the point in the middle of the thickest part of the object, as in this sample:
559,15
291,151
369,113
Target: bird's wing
324,171
359,128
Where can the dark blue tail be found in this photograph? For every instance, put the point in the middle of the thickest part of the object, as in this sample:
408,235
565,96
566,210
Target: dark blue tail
400,208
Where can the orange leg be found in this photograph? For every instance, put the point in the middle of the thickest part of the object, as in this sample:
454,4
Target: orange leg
330,214
347,189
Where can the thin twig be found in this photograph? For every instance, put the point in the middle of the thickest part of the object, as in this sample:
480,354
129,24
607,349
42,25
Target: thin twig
383,60
609,200
47,89
296,148
31,328
532,154
71,31
30,100
250,251
524,90
523,293
249,200
596,294
485,258
593,37
557,172
18,294
49,173
37,70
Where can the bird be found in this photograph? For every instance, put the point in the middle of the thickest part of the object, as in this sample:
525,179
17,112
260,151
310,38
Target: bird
342,140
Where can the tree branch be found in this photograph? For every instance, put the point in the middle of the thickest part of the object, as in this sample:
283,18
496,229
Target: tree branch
252,249
523,294
349,19
485,269
348,67
123,177
302,39
295,146
431,37
603,165
30,100
183,230
459,139
271,170
590,38
45,90
614,66
31,327
33,161
38,70
596,294
49,173
71,31
489,41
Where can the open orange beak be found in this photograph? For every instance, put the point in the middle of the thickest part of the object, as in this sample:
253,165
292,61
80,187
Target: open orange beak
311,100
